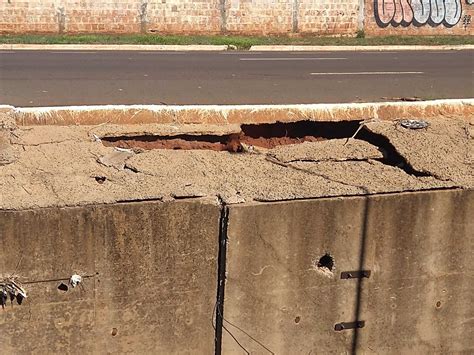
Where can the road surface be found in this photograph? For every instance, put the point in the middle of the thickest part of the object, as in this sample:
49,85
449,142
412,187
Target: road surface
52,78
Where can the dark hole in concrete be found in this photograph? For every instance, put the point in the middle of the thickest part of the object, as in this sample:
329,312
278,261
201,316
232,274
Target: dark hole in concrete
438,304
19,299
100,179
114,331
259,135
297,319
275,134
326,261
178,142
268,135
63,287
390,155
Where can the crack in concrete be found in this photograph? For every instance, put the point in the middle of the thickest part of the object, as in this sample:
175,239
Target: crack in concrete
333,160
135,170
391,155
43,143
274,160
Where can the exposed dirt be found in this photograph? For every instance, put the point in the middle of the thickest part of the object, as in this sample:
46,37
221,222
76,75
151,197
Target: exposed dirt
181,142
259,135
230,143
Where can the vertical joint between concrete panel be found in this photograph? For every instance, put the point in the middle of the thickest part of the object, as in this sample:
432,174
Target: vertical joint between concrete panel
223,10
361,17
295,16
143,16
61,20
221,272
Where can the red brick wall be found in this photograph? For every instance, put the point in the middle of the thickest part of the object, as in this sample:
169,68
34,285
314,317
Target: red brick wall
184,16
31,16
119,16
408,17
259,16
381,17
328,16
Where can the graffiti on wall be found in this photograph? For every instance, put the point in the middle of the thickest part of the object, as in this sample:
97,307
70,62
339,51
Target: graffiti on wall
418,12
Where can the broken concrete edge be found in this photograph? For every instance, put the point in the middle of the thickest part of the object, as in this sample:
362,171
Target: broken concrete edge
57,165
112,47
308,48
217,200
41,170
238,114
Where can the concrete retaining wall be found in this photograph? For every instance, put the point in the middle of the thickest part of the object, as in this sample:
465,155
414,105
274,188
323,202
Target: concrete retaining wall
150,276
418,298
343,17
203,251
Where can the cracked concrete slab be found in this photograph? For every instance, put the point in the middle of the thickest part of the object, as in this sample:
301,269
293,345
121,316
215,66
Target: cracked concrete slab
7,153
128,130
58,166
330,150
444,150
116,159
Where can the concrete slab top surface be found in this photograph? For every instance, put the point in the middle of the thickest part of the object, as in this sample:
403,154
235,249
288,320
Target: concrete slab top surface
51,165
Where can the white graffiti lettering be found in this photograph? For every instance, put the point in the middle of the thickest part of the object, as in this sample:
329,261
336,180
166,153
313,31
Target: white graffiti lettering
418,12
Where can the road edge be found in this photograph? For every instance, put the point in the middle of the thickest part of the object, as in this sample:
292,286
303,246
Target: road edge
218,48
113,47
280,48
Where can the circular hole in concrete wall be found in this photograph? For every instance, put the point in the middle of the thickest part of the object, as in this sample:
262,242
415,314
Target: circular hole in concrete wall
100,179
114,331
438,304
326,262
297,319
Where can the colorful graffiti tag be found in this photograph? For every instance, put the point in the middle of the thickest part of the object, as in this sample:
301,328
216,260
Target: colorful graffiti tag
418,12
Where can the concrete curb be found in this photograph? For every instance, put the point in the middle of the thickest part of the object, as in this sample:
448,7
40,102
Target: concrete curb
240,114
111,47
359,48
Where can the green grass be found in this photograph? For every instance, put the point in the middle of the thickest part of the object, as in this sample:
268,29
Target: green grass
241,42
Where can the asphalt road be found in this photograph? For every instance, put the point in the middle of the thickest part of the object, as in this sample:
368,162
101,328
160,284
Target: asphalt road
42,78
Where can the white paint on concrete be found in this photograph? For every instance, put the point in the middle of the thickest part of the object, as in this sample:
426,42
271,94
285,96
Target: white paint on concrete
254,108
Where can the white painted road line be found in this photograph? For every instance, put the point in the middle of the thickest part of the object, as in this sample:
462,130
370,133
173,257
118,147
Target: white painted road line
163,52
73,52
380,52
373,73
283,59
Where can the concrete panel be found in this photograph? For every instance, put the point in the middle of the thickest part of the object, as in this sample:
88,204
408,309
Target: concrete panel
421,294
149,278
418,298
275,291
